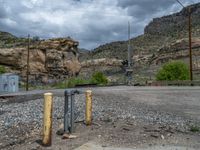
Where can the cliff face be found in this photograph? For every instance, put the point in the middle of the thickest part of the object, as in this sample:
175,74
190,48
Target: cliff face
179,50
176,23
158,33
49,59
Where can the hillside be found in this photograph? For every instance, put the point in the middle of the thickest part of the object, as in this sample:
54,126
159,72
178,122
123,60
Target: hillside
159,36
8,40
159,32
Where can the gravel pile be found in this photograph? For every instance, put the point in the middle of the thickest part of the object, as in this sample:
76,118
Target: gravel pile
109,107
30,111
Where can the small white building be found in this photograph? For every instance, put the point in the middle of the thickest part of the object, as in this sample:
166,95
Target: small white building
9,83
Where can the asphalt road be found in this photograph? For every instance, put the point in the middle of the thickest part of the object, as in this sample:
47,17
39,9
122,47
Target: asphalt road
183,101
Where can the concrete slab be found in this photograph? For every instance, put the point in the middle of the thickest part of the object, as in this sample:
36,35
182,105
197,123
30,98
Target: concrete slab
94,146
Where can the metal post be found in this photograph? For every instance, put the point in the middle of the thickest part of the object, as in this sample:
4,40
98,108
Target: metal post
69,109
66,108
27,71
47,122
72,112
190,42
69,119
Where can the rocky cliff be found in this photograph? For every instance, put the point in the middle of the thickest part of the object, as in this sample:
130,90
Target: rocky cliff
51,59
158,33
175,24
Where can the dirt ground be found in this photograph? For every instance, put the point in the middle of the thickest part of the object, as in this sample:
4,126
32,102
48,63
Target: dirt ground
121,133
126,117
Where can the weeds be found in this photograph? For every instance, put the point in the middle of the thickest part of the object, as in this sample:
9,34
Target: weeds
2,69
195,129
97,78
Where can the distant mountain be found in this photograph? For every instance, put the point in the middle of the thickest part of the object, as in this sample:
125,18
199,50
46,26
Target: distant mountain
158,33
83,54
6,36
176,24
8,40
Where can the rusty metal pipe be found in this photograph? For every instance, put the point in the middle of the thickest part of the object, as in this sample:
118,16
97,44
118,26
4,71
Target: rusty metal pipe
66,109
72,112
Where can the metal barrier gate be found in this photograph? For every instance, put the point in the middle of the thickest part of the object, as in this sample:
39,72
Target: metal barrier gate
69,108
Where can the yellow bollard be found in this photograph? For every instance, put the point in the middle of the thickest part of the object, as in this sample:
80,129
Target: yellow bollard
88,111
47,122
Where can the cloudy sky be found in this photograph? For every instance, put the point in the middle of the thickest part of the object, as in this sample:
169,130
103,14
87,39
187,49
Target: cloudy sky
91,22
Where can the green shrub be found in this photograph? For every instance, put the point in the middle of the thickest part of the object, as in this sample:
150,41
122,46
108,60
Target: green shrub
60,85
173,70
99,78
194,128
70,83
75,81
2,69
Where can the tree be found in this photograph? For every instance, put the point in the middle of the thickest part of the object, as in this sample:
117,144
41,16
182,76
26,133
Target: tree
99,78
173,70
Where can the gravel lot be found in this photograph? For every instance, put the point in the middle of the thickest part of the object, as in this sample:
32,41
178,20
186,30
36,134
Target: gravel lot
20,123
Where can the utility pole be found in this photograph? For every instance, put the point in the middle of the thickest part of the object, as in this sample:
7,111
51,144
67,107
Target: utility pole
129,46
190,38
27,68
129,70
190,42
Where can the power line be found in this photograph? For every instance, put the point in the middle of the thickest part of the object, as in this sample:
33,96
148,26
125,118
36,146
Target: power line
180,3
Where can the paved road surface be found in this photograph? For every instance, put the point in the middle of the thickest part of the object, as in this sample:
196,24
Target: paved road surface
183,101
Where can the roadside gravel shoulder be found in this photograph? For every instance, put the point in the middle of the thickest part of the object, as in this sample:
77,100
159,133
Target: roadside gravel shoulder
121,119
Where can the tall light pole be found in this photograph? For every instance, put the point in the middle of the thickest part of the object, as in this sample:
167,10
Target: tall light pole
190,38
129,45
129,70
27,68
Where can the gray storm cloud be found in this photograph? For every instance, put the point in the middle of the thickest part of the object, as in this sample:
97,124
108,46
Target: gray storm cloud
92,22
